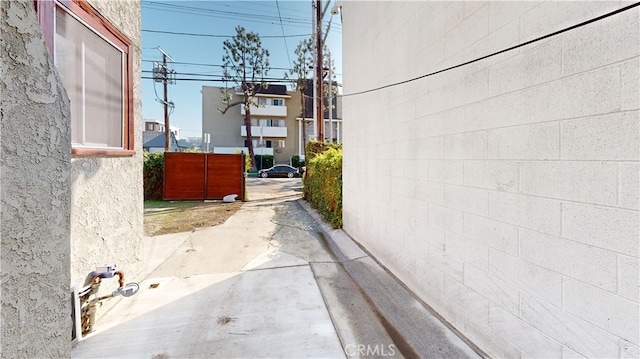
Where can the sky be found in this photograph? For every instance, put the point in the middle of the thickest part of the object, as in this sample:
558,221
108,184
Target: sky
198,48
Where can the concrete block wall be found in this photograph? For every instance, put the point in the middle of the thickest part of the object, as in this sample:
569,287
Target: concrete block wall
504,193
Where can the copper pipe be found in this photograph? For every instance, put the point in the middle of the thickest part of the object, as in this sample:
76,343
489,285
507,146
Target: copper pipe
120,275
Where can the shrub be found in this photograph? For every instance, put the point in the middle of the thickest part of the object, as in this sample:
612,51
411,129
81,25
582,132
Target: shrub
264,161
323,181
296,161
153,175
315,148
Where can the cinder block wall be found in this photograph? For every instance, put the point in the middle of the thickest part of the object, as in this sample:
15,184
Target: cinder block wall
504,193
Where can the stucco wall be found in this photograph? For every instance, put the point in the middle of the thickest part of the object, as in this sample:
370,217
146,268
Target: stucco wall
107,197
504,192
35,163
224,129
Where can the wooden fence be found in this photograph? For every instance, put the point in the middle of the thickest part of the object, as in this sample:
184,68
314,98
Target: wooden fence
197,176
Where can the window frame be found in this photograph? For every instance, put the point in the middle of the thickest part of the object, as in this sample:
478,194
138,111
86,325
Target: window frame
46,11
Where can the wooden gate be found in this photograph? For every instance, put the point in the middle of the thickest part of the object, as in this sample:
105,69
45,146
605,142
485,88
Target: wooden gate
197,176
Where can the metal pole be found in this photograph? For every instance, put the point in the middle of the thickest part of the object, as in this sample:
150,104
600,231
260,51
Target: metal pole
319,66
315,66
330,100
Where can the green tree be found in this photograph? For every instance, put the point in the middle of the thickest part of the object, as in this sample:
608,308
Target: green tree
300,77
245,64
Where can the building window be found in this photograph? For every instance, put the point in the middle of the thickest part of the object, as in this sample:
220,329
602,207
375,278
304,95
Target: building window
271,123
278,102
268,143
262,101
95,64
265,122
150,127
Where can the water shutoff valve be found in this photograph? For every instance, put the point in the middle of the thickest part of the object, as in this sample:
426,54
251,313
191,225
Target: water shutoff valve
106,271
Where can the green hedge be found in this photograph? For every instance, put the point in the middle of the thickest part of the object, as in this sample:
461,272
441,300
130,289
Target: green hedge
323,180
153,175
296,161
264,161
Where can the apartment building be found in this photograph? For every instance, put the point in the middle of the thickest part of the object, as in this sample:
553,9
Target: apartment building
276,123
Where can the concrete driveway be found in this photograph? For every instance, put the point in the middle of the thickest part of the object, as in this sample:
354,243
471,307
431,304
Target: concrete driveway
273,281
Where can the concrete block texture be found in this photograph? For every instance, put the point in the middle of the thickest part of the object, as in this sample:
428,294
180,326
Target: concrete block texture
35,157
587,263
531,341
629,185
583,181
580,336
608,137
613,314
602,227
531,195
629,277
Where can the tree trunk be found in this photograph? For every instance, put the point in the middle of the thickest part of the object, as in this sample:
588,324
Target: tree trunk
247,125
304,128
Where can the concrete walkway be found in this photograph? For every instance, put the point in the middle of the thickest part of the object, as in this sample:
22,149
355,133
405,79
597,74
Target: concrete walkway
273,281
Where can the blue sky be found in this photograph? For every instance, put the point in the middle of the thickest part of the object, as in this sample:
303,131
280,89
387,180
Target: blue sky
204,53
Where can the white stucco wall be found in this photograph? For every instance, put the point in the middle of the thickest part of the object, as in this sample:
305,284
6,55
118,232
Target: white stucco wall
504,193
107,195
35,161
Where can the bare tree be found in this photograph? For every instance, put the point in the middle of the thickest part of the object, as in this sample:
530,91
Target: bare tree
299,75
245,64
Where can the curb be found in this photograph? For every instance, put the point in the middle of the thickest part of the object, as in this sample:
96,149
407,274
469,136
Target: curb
416,329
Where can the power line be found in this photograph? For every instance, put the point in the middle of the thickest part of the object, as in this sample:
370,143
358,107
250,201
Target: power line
222,14
284,37
220,36
212,65
271,81
498,52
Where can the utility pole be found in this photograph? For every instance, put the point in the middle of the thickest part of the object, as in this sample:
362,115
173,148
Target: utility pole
162,74
330,99
319,97
166,108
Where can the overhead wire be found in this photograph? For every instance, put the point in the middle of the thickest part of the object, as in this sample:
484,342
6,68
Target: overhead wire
271,81
231,15
220,36
211,65
283,35
628,7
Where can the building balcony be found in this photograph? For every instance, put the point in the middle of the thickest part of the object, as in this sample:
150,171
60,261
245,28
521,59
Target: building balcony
266,110
245,150
257,131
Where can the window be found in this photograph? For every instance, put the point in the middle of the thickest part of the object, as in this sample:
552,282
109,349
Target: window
268,143
271,123
265,122
262,101
149,127
278,102
95,64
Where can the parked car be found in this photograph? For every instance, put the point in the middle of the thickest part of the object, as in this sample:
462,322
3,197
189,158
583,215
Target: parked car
279,171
